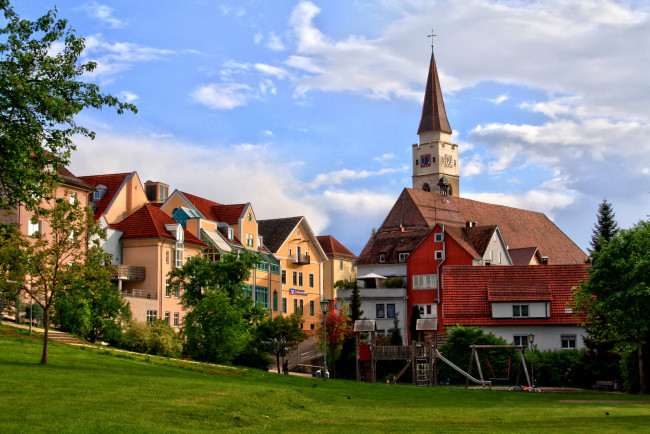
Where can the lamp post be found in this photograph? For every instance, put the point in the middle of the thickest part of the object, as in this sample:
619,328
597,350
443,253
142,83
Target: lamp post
324,306
531,338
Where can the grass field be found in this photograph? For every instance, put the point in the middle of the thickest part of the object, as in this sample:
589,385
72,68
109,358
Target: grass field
94,390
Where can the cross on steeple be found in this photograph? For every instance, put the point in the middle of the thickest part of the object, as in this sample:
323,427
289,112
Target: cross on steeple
431,36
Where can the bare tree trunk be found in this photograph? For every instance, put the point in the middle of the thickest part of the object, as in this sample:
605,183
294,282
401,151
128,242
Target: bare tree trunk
642,387
45,336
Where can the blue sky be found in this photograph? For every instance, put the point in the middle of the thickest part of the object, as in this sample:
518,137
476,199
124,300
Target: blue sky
310,107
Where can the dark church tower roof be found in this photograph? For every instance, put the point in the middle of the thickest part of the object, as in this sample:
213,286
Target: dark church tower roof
434,116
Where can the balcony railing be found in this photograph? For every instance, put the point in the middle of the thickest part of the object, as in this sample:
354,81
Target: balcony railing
302,259
127,272
140,293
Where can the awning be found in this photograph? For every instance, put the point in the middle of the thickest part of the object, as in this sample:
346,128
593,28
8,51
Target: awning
371,276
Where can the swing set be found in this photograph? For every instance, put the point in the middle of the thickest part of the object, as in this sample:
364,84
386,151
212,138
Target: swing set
474,358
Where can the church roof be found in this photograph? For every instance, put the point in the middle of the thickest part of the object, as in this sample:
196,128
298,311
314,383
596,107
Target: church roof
434,116
416,212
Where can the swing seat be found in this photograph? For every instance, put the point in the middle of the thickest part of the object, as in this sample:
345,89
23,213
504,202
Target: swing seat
499,379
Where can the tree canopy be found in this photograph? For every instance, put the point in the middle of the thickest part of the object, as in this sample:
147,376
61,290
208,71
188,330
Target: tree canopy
219,307
280,335
616,294
40,95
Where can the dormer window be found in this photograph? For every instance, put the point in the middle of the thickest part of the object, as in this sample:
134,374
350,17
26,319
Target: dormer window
260,242
231,234
382,257
99,192
402,257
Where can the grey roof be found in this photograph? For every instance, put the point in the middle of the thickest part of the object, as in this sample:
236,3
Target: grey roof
276,231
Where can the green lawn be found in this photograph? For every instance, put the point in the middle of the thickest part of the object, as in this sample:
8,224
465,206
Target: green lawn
90,390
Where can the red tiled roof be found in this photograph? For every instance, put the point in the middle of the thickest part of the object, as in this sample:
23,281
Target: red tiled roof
333,248
416,211
113,182
149,222
70,179
204,206
480,237
467,292
391,244
228,213
458,234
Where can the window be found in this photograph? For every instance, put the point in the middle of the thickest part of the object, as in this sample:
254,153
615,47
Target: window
382,257
440,255
568,342
167,257
284,276
152,315
340,265
73,198
260,242
284,304
520,310
262,295
275,301
390,310
175,319
520,340
438,237
491,255
499,257
295,306
295,278
249,217
425,281
178,249
168,290
177,293
311,307
428,310
302,306
300,278
231,234
97,195
290,252
403,256
380,310
311,280
167,317
34,228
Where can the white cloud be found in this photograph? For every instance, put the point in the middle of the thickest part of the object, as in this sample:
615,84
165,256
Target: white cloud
103,13
472,167
128,96
274,42
271,70
222,95
384,158
340,176
499,99
232,11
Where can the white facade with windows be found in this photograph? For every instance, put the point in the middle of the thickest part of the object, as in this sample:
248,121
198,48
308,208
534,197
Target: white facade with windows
547,337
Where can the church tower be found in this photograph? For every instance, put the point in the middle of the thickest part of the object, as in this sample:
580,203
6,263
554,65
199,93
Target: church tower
435,158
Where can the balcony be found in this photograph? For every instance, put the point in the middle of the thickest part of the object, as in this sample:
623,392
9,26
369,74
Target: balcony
139,293
128,272
302,259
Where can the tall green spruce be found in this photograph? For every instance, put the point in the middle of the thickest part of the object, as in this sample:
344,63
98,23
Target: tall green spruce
605,227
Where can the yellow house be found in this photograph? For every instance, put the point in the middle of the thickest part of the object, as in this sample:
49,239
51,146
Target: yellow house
339,265
228,228
301,257
153,244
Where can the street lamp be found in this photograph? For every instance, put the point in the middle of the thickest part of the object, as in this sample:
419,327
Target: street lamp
531,338
324,306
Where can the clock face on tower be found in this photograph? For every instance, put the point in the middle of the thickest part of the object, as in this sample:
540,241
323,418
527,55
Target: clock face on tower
425,160
449,161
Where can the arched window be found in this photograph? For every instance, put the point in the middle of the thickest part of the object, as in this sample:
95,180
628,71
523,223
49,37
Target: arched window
426,187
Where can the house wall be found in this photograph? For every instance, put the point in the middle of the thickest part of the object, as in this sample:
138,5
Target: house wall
128,200
496,251
547,337
371,297
157,257
335,269
535,309
300,237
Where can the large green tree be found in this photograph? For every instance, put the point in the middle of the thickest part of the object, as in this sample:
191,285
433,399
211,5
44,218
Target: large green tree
40,95
616,294
12,266
220,309
605,227
59,257
280,335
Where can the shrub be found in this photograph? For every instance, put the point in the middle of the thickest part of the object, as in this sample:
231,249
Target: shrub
395,282
163,340
136,337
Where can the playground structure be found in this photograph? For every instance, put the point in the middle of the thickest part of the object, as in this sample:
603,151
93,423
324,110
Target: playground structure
422,357
475,358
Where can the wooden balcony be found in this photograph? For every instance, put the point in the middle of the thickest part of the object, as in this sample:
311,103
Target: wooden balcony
128,272
301,260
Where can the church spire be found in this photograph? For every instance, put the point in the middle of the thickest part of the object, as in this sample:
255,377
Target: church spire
434,116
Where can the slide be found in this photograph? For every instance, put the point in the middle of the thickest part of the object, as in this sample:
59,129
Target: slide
463,373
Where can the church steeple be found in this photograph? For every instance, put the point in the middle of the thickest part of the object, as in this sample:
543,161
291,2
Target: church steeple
434,116
435,158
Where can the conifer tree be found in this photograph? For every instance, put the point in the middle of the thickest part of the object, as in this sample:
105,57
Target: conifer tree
605,227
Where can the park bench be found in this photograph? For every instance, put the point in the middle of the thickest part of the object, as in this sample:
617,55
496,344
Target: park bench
604,385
